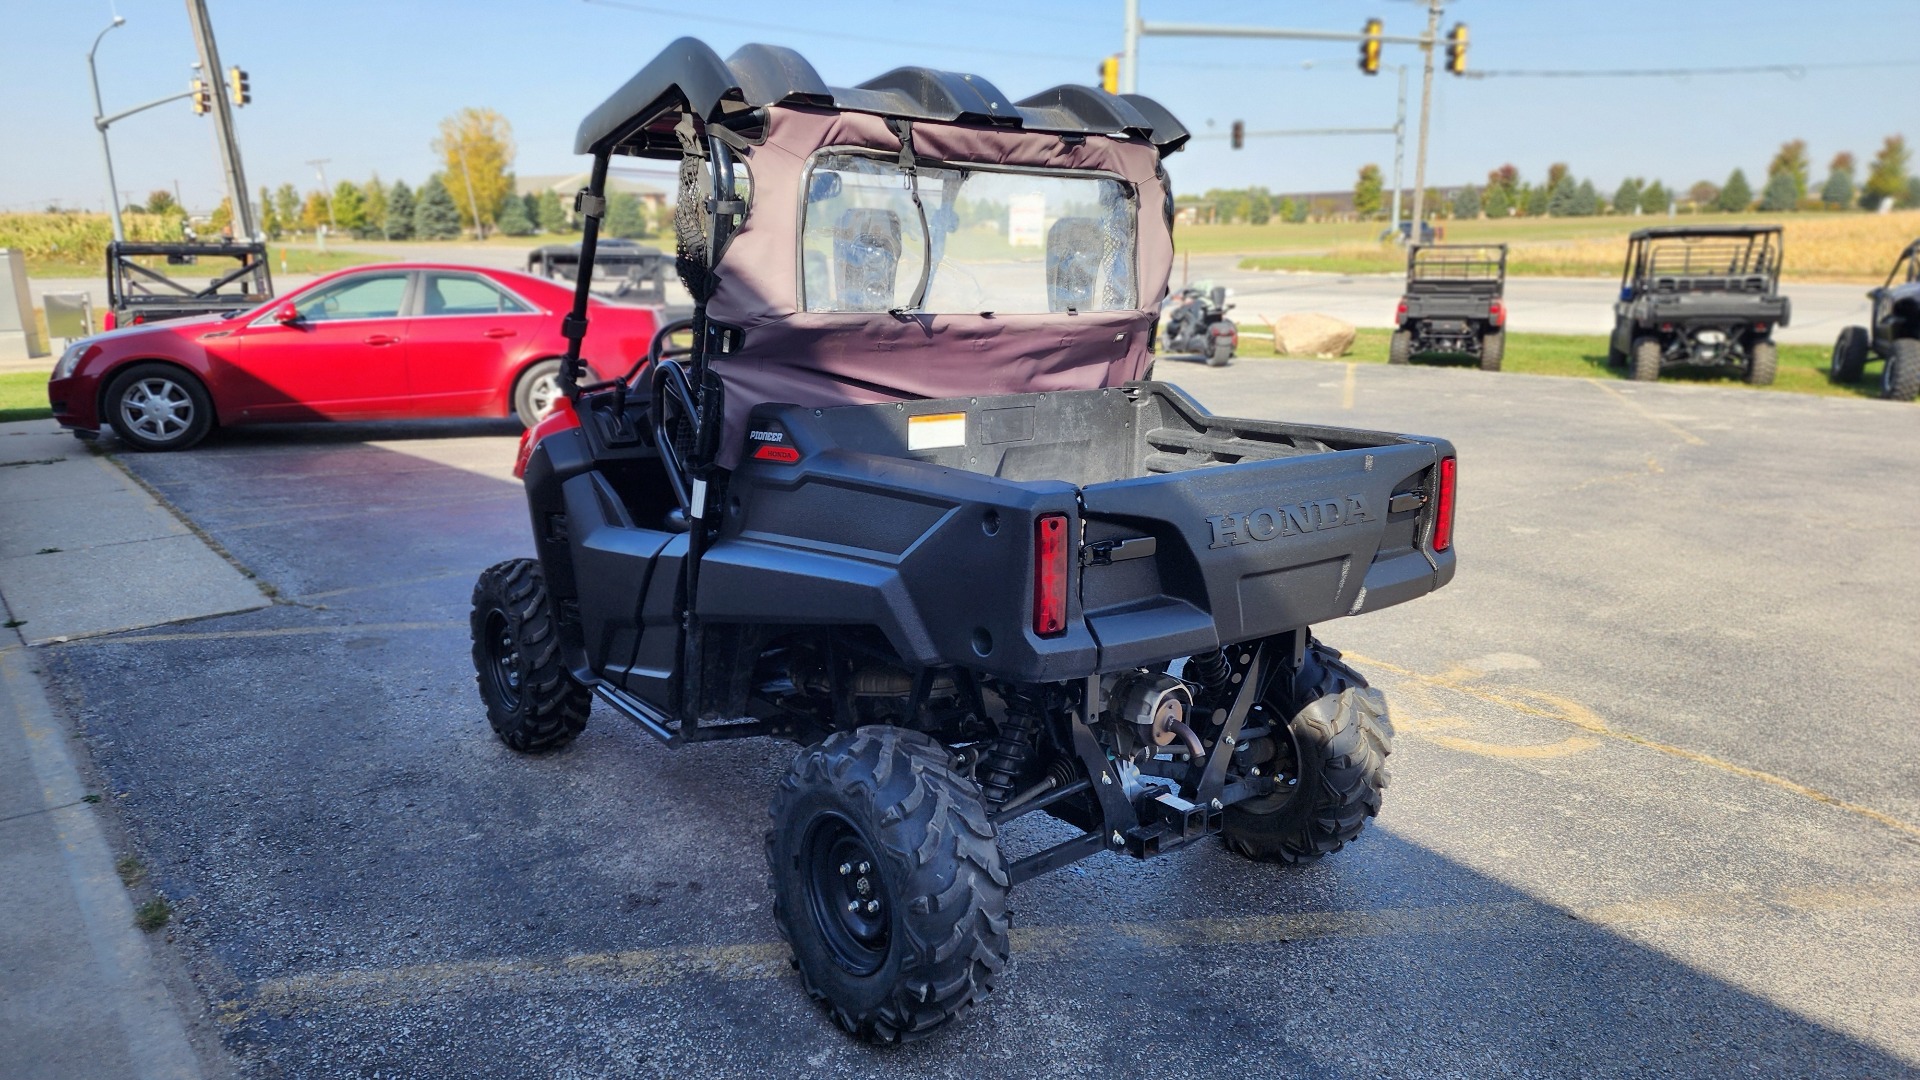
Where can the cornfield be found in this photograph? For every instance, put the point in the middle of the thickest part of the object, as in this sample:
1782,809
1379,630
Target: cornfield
1852,246
79,238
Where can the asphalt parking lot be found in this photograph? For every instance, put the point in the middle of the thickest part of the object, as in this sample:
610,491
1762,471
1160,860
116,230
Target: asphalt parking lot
1655,811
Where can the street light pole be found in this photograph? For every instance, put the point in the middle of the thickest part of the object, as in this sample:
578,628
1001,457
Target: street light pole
1426,107
1399,145
99,111
1130,50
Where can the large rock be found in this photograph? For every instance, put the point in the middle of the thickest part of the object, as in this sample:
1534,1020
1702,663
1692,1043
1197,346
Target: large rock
1306,334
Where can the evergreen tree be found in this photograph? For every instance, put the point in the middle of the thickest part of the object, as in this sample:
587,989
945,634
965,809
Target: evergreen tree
269,219
553,216
1563,200
286,205
1466,202
1556,172
1626,197
1498,203
1534,200
626,218
373,197
1656,199
400,206
1259,206
1735,195
1587,201
1779,193
1299,212
513,220
1791,161
1366,191
1837,192
1887,176
530,206
349,209
435,217
1286,208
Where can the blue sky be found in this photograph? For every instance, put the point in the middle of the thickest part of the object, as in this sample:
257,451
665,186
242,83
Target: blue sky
364,82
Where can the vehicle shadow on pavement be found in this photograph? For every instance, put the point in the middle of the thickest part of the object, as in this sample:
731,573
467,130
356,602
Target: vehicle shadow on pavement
365,879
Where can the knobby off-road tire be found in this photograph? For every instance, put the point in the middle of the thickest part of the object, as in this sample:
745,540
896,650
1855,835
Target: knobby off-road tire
158,407
532,701
1900,380
934,942
1647,356
1493,349
1332,769
1763,362
1849,355
535,390
1400,347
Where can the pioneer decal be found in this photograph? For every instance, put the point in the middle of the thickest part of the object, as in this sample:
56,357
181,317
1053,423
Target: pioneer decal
1273,521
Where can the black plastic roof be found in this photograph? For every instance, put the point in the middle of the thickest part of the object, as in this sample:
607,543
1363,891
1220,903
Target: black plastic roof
638,119
1662,231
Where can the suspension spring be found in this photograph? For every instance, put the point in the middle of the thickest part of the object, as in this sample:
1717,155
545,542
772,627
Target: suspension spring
1210,670
1007,758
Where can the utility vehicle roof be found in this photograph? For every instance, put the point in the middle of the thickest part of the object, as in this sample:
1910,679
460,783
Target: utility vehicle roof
1663,232
638,119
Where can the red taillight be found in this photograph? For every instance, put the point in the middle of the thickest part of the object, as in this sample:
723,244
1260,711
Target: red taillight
109,321
1050,575
1400,313
785,455
1497,314
1443,506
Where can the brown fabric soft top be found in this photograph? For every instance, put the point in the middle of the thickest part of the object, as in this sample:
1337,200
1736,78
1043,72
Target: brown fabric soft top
839,358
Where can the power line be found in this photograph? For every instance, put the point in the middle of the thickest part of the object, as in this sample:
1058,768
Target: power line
806,31
1791,71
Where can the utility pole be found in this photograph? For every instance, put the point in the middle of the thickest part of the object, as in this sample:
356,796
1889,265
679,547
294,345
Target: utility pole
1399,145
1130,50
236,176
467,175
113,188
1426,107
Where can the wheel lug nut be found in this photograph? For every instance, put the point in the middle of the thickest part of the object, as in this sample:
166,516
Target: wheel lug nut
845,869
864,867
853,905
873,906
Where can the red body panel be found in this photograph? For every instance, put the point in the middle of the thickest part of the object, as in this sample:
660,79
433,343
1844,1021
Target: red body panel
407,366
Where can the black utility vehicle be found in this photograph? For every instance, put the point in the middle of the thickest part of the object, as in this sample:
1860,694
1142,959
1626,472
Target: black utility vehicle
1196,324
1701,295
1893,334
1453,304
139,293
624,270
906,502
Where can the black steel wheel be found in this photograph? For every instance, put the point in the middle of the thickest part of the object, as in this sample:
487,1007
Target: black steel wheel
158,407
887,882
1849,355
1648,355
1900,379
1332,739
532,701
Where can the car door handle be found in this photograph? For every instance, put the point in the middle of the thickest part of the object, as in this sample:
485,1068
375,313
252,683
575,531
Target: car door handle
381,339
498,332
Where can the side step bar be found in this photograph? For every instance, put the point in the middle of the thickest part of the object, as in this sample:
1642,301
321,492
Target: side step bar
638,711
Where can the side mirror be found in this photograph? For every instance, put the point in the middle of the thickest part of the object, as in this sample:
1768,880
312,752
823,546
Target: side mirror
287,315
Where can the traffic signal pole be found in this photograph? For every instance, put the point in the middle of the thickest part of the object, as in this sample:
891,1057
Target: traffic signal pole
1426,108
236,176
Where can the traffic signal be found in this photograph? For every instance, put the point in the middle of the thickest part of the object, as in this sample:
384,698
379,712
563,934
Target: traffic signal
202,98
1457,49
1239,138
1370,47
1110,74
237,86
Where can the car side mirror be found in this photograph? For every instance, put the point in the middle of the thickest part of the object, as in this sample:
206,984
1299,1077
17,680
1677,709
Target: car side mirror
287,315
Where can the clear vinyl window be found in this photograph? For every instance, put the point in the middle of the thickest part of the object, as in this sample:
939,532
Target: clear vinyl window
1001,241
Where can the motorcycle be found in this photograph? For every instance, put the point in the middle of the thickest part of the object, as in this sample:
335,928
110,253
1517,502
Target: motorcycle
1195,322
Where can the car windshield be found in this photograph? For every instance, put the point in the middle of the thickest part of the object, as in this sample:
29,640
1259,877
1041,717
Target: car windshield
1008,242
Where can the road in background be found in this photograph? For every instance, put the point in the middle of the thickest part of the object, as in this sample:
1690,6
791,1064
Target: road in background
1655,803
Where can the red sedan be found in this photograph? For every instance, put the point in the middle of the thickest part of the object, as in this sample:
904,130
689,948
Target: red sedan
401,340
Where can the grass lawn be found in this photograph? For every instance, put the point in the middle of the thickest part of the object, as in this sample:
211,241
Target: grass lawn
297,260
23,396
1803,368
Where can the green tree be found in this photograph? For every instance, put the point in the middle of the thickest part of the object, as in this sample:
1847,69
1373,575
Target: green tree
1533,200
286,205
514,221
349,209
1366,191
1626,197
160,201
553,213
1498,203
626,218
222,217
1259,206
1735,195
1286,208
1887,176
269,217
530,205
1703,195
1299,212
477,147
1779,194
399,211
1505,179
1556,172
313,211
1563,198
1791,161
1911,200
1586,200
435,217
1837,192
1466,202
1655,199
373,196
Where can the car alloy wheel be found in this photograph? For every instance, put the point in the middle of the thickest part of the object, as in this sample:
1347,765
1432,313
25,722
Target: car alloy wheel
157,408
540,395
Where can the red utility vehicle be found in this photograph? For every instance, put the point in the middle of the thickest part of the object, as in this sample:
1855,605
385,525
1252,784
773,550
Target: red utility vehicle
394,341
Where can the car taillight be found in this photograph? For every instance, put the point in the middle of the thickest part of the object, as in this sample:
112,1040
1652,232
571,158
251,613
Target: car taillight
1497,313
1400,312
785,455
1443,506
1050,575
109,321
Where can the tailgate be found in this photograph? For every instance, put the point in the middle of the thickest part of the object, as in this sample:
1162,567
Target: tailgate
1184,561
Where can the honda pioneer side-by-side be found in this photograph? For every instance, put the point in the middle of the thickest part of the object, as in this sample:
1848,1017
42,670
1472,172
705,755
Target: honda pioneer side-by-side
1454,303
1700,295
1892,333
906,501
